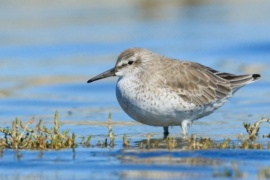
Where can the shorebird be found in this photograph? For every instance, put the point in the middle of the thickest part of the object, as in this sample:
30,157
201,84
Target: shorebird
161,91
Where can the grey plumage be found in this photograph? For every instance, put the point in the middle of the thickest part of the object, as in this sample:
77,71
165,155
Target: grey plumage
194,82
162,91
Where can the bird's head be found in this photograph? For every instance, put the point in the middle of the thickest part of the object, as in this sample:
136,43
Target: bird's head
129,62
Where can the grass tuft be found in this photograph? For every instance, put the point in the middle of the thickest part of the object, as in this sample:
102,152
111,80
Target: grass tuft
23,136
40,137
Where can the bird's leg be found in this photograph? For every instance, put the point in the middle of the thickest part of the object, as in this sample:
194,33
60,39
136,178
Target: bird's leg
184,125
166,131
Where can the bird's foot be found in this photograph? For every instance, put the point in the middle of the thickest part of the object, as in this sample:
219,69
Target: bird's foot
184,125
166,132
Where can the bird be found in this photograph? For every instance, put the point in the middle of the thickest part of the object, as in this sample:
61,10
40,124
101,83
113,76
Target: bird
160,91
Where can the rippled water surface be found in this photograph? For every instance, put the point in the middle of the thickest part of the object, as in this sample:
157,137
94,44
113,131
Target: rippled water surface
48,50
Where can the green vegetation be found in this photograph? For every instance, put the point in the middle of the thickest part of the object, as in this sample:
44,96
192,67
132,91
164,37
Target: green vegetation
194,143
21,136
253,130
24,136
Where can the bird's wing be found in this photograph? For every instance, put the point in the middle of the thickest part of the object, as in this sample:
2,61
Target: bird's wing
194,83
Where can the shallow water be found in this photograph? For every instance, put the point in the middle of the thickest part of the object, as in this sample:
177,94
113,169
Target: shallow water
49,50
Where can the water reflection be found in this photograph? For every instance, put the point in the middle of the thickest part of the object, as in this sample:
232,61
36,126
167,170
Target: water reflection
130,163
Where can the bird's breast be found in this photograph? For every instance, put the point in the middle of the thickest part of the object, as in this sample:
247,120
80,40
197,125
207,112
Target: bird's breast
149,104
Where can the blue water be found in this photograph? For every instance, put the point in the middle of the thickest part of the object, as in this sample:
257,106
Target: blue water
48,51
115,164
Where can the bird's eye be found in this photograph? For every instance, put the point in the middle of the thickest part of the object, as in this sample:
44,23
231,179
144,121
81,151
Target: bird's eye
130,62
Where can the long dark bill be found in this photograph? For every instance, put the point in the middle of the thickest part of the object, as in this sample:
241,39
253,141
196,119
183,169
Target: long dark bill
109,73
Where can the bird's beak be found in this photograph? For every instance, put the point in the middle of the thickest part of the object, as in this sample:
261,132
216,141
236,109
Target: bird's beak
109,73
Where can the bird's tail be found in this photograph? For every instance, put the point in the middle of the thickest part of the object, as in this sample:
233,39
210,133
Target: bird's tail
238,81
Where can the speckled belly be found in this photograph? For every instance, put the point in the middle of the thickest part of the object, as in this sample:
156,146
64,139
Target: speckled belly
155,106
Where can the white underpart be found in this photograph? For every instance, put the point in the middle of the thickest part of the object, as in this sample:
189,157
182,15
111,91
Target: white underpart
158,106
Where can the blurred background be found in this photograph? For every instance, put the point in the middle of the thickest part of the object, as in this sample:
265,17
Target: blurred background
49,49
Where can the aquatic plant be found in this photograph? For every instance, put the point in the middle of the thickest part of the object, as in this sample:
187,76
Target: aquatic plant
194,143
22,136
253,130
38,137
110,134
87,142
126,143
